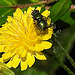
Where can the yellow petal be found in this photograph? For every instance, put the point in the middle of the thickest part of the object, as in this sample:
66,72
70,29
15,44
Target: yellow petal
46,44
7,48
14,25
48,21
30,59
43,45
48,35
23,65
18,14
38,8
2,48
30,10
24,53
46,13
6,55
40,56
20,50
1,59
24,17
9,64
38,47
15,62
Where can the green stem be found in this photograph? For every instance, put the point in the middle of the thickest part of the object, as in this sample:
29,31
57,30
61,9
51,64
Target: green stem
60,63
26,5
67,55
66,68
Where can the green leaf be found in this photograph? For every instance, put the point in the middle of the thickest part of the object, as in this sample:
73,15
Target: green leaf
23,1
68,19
34,0
14,2
6,3
4,12
59,9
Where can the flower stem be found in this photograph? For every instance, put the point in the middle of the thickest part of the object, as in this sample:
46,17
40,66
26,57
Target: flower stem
26,5
67,55
66,68
60,63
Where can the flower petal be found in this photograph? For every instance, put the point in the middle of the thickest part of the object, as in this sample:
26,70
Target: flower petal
6,55
2,48
38,8
48,35
20,50
14,25
18,14
40,56
15,62
7,48
23,65
43,45
46,44
48,21
9,64
46,13
1,59
30,59
38,47
30,10
24,53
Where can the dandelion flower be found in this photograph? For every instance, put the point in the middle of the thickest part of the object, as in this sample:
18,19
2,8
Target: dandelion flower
20,41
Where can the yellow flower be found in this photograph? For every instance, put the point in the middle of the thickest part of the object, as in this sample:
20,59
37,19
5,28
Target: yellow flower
21,41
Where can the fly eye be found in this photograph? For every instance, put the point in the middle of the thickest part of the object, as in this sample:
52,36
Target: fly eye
32,13
37,10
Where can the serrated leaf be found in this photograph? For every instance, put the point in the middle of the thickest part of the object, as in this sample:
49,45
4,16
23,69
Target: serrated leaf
59,9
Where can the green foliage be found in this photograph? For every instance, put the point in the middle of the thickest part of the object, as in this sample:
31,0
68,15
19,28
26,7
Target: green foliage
59,9
8,2
34,0
4,12
68,18
23,1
